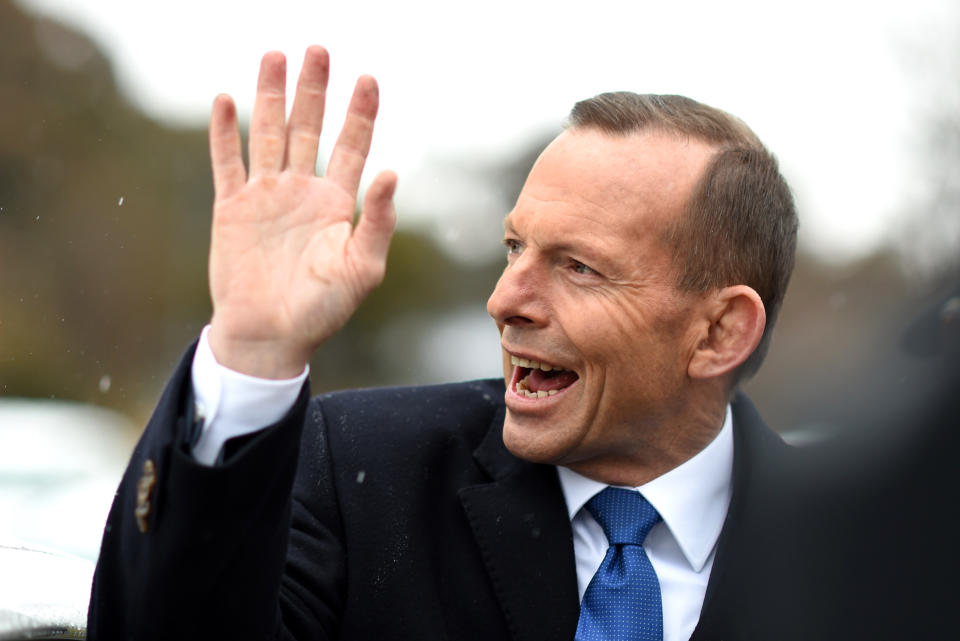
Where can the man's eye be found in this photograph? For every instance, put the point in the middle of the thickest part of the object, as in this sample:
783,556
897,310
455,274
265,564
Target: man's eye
580,268
513,246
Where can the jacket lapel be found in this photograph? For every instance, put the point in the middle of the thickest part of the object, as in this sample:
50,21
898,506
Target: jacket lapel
521,526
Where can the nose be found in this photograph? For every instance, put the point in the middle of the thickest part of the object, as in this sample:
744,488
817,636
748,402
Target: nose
519,299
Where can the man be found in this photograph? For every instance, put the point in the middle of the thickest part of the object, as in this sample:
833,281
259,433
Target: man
648,254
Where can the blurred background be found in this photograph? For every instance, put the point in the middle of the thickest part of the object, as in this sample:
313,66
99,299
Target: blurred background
105,188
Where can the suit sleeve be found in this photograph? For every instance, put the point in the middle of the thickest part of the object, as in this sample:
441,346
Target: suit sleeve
193,552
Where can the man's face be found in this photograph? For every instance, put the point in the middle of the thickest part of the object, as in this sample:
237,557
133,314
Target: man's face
588,294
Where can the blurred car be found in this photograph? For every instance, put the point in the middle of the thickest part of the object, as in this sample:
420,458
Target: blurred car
60,463
43,594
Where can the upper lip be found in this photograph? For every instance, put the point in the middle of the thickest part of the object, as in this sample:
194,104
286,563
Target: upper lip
533,357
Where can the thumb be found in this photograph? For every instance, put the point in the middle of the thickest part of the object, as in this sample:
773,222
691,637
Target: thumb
372,235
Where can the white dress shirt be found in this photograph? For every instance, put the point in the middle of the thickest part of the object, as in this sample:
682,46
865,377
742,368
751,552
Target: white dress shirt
692,498
233,404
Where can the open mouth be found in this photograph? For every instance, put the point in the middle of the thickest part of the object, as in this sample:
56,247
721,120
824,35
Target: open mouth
536,379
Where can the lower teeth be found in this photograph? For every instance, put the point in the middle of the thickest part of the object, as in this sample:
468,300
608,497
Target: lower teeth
522,389
538,394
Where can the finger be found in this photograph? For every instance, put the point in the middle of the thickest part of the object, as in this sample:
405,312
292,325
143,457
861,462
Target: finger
350,152
226,158
267,135
306,117
373,232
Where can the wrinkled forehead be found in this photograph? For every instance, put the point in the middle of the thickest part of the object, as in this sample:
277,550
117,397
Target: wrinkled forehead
649,173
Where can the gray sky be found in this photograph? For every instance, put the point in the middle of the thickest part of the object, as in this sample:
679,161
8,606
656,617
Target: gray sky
830,86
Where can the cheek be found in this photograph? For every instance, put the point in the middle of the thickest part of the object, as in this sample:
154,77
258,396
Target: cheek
639,337
623,324
609,340
617,328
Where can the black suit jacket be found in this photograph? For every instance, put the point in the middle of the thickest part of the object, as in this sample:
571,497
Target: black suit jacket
393,514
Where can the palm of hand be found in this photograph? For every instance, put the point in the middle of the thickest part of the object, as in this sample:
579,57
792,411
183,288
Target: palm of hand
287,267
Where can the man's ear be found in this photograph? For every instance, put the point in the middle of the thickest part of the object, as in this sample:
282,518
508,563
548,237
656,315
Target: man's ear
736,320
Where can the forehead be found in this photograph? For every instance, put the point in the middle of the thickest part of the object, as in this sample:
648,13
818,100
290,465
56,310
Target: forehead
633,183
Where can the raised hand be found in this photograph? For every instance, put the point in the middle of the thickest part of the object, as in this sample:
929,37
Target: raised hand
287,265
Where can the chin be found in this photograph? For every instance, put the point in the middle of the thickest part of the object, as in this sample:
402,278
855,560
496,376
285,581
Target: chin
532,442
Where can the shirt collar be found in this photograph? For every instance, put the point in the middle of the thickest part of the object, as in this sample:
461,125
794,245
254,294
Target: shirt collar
692,498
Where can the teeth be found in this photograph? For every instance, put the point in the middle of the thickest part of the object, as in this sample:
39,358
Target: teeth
523,362
522,389
521,386
540,394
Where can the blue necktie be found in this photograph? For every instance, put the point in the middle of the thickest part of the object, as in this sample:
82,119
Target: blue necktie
622,601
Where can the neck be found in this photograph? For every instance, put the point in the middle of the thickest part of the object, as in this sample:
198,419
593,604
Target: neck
661,448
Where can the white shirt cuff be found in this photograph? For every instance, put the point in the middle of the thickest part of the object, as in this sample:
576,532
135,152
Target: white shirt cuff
232,404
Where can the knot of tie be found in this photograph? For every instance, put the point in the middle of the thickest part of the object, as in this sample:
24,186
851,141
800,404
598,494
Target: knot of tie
625,516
